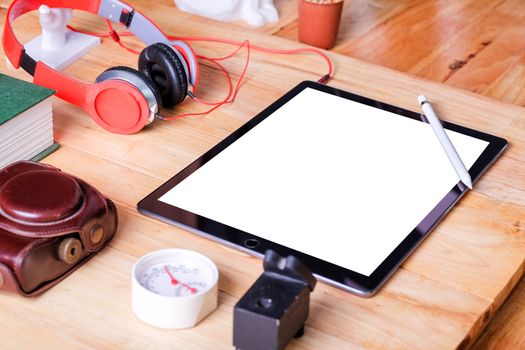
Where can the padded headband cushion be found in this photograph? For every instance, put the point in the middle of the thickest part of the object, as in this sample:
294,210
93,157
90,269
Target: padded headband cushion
143,77
160,64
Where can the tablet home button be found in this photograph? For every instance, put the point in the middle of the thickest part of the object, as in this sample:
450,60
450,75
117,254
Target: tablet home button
251,243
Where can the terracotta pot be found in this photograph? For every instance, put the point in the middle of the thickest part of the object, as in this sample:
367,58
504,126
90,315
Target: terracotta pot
319,23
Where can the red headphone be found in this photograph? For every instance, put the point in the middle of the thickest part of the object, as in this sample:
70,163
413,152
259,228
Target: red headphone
123,100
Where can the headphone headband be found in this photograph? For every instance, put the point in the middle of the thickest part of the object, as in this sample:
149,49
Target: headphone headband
113,10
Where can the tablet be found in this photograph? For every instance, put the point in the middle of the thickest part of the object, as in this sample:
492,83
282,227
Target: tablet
347,184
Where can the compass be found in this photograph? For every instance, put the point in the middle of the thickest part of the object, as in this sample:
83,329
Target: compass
174,288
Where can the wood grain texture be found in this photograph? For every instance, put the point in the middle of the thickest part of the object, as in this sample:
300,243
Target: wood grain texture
474,45
442,297
505,331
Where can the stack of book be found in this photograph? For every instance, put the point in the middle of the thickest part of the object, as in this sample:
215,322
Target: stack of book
26,121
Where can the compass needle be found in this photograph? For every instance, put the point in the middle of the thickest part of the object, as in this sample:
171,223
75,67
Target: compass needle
173,279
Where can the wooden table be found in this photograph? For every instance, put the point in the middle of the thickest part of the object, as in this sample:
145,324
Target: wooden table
442,297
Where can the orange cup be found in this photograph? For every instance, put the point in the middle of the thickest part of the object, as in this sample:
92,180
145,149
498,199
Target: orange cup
319,23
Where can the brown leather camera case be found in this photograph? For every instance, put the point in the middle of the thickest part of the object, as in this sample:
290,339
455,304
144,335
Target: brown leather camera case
50,224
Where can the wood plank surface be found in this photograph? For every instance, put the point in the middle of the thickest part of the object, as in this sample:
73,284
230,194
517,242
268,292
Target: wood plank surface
474,45
442,296
471,44
505,331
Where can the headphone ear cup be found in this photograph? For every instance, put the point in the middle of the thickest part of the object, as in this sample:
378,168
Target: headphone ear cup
124,100
138,75
163,67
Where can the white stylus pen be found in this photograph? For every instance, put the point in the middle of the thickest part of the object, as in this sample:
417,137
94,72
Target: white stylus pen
442,136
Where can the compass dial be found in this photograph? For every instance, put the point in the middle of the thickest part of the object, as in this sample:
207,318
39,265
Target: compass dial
176,280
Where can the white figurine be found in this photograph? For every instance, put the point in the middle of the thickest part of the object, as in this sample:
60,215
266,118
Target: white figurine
254,12
58,46
53,22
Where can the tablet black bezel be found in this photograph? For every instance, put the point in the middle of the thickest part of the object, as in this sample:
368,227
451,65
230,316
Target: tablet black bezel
333,274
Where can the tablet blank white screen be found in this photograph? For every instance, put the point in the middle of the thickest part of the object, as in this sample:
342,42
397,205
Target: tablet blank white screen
330,177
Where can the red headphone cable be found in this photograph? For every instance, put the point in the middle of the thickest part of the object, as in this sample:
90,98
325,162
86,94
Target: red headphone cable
116,37
232,93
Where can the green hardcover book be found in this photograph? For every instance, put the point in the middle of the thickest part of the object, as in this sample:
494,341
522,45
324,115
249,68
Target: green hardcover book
18,95
26,121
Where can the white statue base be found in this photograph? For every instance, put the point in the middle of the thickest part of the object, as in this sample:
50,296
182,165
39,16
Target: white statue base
76,46
254,12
